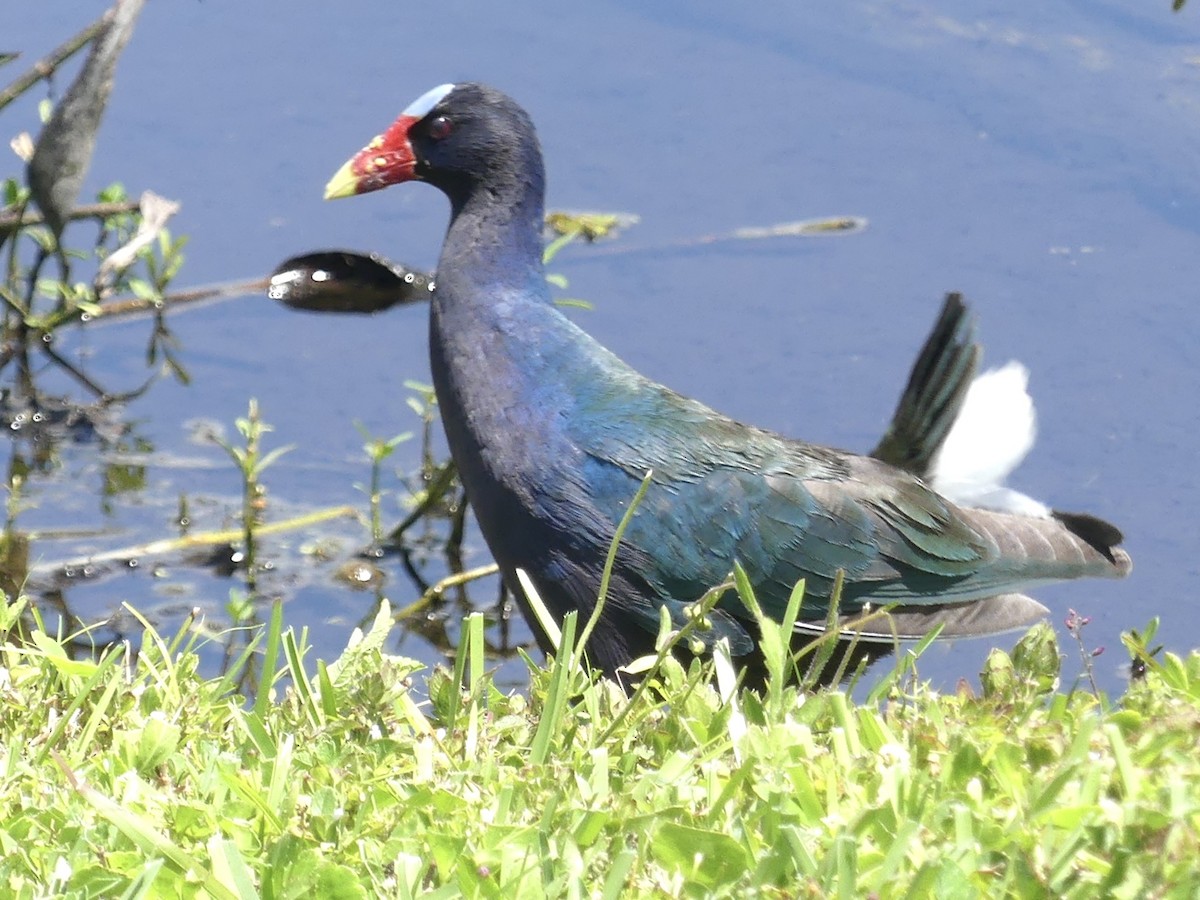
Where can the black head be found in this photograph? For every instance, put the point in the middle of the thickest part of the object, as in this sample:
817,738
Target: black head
457,137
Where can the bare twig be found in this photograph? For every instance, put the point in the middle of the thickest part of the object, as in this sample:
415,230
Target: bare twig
438,591
833,226
48,65
130,307
193,541
10,221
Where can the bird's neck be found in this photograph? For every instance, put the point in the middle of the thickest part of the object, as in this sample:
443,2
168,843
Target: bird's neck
492,324
494,242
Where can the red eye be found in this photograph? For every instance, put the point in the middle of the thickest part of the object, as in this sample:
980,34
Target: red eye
440,128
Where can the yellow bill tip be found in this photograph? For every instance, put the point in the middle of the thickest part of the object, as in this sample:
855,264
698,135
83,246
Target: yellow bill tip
344,183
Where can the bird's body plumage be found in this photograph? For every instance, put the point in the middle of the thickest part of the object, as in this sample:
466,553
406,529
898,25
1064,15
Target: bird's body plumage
552,435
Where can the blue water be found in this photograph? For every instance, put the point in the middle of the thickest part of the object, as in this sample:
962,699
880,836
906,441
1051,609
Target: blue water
1041,160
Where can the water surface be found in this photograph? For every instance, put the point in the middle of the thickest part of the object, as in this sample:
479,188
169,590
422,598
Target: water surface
1042,161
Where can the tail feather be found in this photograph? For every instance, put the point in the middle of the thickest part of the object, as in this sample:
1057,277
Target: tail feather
995,429
1102,536
1060,547
934,395
977,618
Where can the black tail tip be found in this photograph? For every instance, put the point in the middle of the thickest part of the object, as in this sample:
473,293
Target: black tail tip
1102,536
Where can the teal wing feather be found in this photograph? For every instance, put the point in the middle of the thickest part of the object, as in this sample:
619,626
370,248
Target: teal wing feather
785,510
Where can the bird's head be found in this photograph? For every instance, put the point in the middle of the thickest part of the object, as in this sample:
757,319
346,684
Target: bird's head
452,136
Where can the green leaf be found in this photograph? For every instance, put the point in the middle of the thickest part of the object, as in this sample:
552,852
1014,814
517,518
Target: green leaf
114,193
272,456
14,193
230,868
574,303
143,289
42,236
709,859
55,654
338,882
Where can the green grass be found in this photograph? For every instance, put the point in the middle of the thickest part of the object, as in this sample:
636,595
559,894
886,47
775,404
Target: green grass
129,775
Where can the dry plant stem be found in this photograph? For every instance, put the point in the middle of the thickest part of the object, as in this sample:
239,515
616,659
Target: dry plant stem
438,590
1075,625
48,64
200,539
250,495
824,227
129,307
12,220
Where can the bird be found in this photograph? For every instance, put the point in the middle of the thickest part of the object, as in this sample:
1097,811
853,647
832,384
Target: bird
553,435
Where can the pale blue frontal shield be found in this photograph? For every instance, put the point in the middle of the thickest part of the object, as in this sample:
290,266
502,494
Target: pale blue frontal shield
420,107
